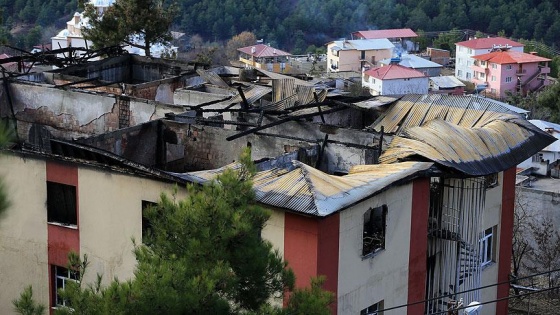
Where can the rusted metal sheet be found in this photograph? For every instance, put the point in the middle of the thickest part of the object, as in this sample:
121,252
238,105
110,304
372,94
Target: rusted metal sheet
283,89
495,147
308,190
470,134
212,78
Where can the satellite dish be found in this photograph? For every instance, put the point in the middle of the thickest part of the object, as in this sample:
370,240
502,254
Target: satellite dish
473,307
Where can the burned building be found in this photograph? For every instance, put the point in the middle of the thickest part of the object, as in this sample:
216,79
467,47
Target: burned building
396,200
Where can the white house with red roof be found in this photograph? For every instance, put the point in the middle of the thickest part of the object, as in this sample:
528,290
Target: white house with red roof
395,79
505,71
265,57
467,49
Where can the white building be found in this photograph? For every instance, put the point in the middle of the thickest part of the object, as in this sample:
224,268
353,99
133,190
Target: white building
547,161
72,36
395,79
467,49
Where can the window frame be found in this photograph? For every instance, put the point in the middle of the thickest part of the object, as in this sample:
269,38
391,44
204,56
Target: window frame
68,216
373,309
508,79
64,276
370,245
487,246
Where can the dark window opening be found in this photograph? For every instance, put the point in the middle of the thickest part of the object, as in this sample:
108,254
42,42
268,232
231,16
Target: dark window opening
61,204
374,230
146,224
491,180
375,309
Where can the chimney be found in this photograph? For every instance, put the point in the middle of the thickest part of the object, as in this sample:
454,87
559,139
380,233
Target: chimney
253,49
534,53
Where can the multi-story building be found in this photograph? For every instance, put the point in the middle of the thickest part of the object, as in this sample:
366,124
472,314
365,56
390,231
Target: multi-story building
386,230
465,50
354,55
502,71
264,57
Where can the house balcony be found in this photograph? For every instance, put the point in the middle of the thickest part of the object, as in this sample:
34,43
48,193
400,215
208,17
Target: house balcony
520,72
478,68
544,69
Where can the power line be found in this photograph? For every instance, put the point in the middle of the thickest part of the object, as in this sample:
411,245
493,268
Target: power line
502,299
476,289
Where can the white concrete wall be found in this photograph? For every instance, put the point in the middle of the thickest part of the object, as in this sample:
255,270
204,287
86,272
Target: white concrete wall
365,281
490,218
110,217
405,86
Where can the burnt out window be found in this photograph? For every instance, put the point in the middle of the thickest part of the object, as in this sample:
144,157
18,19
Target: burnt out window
374,230
146,224
61,204
491,180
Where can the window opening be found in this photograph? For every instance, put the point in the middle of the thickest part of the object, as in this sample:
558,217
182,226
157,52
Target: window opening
61,204
374,230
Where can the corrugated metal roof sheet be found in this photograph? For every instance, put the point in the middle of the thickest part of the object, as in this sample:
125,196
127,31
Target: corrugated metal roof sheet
447,81
375,102
472,135
363,44
212,78
414,62
252,94
308,190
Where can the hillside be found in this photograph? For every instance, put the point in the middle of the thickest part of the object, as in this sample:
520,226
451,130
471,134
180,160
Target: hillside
295,24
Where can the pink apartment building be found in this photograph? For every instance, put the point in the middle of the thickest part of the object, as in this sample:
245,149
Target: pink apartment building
513,71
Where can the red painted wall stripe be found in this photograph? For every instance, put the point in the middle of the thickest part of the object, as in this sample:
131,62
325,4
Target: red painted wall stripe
417,259
60,239
300,247
506,236
327,258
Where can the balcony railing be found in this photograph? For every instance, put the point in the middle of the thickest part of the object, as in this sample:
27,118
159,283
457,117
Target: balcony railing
520,72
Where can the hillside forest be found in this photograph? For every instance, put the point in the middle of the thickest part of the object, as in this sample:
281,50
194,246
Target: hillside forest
293,25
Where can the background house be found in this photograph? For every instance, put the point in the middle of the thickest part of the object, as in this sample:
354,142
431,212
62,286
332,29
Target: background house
465,50
427,67
505,71
264,57
402,38
447,85
547,161
394,79
353,55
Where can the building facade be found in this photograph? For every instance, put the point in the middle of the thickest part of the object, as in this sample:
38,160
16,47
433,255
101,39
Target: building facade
354,55
265,57
465,50
504,71
395,79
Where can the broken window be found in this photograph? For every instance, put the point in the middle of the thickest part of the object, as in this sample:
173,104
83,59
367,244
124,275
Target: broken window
61,278
375,309
487,246
374,230
61,204
146,224
491,180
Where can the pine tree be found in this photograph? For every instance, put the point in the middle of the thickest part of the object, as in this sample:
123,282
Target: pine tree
139,23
